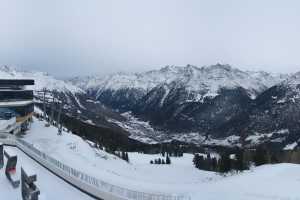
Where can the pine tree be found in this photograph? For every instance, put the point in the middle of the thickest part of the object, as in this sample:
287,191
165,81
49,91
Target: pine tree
196,160
168,160
260,156
214,164
163,161
126,157
274,159
240,163
207,162
225,163
123,156
159,161
151,162
199,161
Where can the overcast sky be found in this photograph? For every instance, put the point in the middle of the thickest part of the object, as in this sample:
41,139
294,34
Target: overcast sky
81,37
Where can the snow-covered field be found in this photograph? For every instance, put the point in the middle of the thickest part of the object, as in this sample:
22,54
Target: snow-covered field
277,182
51,187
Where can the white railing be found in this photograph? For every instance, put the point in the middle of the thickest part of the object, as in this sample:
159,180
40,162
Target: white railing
91,185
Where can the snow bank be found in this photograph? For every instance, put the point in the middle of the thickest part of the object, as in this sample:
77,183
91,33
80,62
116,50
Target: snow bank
181,177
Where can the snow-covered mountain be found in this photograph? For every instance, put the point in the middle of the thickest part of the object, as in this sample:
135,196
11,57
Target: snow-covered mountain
278,109
208,105
42,80
217,104
77,102
201,82
70,93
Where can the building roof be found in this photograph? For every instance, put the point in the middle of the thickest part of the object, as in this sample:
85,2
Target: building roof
16,82
15,103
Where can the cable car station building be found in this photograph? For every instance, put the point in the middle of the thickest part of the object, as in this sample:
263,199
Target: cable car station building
16,105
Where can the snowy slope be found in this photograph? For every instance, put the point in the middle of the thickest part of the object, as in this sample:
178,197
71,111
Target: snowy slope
181,177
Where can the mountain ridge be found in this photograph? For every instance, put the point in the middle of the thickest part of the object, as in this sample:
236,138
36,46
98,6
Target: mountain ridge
189,74
215,104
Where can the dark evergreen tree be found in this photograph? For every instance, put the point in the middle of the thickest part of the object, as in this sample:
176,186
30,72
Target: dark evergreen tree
200,162
126,157
240,162
207,163
168,160
151,161
159,161
260,156
196,160
225,163
123,156
274,159
214,164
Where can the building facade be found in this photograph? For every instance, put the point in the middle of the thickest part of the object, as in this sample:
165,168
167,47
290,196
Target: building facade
16,105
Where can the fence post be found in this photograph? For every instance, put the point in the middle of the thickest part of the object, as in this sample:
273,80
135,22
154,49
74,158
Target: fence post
1,156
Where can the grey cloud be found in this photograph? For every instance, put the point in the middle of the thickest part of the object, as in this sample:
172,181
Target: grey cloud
80,37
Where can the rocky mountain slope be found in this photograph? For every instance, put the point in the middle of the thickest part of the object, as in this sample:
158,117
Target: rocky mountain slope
199,83
214,105
217,104
278,109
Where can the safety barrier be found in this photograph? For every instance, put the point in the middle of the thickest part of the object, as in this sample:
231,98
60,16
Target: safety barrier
89,184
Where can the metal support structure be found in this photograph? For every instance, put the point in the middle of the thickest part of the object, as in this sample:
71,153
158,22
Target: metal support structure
52,103
52,111
1,156
44,103
29,190
59,123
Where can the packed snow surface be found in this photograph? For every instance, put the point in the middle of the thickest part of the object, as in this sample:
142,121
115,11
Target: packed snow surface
279,181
